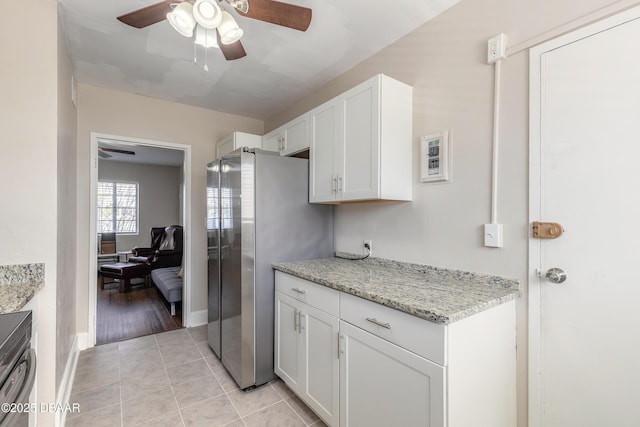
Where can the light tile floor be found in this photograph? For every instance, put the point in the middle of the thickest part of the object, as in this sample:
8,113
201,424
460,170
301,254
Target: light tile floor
173,379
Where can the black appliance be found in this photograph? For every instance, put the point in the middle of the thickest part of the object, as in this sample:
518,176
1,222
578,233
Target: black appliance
17,368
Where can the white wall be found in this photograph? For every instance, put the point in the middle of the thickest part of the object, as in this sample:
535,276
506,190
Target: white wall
66,246
28,164
158,196
128,115
444,61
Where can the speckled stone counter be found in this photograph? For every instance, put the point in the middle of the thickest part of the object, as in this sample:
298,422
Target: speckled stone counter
432,293
18,284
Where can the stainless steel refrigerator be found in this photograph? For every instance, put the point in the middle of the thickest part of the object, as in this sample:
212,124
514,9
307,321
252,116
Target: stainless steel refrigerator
257,214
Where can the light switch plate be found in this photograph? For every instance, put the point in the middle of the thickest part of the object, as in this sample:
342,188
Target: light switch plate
493,235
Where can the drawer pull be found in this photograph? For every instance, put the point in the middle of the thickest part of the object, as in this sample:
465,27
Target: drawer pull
376,322
298,290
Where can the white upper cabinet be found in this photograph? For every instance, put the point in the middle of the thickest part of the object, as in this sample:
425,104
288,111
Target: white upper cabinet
360,144
235,141
290,138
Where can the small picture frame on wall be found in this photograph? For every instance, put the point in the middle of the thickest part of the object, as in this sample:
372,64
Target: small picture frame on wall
434,157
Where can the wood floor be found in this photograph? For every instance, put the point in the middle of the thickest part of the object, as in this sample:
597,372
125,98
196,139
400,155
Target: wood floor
137,312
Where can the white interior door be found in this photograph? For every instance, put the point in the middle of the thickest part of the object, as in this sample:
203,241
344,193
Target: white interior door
585,174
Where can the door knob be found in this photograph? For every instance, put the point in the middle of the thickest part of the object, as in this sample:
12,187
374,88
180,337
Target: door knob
556,275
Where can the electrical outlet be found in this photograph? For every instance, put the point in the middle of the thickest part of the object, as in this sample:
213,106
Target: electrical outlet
496,48
367,244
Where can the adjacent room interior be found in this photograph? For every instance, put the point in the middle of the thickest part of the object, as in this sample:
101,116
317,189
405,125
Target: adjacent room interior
140,239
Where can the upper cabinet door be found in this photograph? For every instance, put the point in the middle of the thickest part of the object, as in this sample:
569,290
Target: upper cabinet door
371,127
359,176
237,140
296,135
290,138
273,141
324,140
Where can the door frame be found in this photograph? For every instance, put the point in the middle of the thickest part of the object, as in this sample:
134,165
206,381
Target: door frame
535,182
93,238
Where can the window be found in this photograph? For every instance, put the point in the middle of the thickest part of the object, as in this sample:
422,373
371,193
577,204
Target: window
117,207
213,211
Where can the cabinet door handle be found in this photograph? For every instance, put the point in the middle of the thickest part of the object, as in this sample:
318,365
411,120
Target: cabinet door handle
295,319
340,345
300,316
298,290
334,184
340,184
377,322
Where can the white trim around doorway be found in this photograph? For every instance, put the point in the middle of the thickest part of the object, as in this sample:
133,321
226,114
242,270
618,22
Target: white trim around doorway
186,215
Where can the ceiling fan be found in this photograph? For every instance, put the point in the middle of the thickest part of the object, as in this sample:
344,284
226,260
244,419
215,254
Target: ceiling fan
103,152
207,16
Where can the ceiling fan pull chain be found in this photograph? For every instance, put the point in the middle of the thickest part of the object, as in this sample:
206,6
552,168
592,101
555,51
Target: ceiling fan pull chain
195,59
206,60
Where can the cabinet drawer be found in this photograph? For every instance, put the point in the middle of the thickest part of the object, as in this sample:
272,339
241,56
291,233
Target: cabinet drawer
420,336
318,296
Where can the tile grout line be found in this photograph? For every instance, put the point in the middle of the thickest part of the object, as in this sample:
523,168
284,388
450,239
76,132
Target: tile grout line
224,392
262,409
296,412
173,393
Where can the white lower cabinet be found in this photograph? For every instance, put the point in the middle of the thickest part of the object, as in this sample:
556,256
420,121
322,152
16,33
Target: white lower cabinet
321,368
306,354
382,384
286,358
358,363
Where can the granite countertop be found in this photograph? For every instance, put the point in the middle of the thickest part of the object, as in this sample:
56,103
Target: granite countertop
18,284
436,294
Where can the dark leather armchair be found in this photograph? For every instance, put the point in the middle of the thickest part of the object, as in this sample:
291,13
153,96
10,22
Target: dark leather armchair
165,250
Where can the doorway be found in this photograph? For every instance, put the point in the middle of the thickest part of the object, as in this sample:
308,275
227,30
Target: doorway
159,173
583,340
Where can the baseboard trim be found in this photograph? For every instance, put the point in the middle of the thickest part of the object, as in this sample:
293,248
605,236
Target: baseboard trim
197,318
67,381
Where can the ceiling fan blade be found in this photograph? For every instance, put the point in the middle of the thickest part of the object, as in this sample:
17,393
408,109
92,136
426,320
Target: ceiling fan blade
103,155
275,12
147,15
116,150
231,51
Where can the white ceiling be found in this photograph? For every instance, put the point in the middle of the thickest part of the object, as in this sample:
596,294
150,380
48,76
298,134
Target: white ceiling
144,154
282,65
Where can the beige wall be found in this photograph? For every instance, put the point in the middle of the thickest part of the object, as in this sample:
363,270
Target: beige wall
158,196
67,170
444,61
28,164
123,114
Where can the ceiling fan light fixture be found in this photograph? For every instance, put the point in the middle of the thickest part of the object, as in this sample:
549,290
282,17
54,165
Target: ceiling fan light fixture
207,13
181,19
241,5
206,37
229,30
